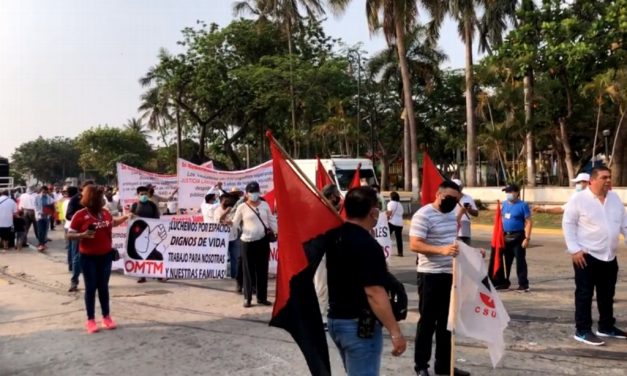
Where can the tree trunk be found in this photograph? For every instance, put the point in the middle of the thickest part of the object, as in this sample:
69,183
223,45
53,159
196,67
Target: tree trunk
409,107
618,163
178,134
385,168
292,99
471,132
201,158
530,147
568,153
406,155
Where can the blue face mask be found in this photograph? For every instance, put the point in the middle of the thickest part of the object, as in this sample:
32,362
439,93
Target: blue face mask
509,196
253,196
143,198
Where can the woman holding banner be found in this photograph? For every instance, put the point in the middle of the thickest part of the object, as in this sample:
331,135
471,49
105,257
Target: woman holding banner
92,227
258,224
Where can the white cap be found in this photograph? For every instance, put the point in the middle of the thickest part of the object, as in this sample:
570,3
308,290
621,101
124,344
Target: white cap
458,182
581,177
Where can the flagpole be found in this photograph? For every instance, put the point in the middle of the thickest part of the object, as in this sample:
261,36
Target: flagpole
454,318
302,174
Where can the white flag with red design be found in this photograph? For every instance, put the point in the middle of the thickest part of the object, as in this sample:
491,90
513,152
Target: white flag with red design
479,313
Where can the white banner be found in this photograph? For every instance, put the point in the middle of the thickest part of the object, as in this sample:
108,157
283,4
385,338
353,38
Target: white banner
129,178
174,249
194,181
119,243
381,232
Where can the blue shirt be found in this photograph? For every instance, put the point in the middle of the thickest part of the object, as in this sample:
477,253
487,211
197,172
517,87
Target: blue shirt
514,215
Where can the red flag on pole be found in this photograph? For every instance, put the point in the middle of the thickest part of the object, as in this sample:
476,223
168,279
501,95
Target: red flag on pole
356,182
301,247
322,176
431,180
498,243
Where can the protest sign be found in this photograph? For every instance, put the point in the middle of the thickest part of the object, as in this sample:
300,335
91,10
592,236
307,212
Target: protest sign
170,248
381,232
129,178
194,181
119,242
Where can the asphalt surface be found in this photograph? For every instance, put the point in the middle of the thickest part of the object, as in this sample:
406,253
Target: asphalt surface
200,327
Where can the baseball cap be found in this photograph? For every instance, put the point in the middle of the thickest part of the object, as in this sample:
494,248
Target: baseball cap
511,188
458,182
252,187
581,177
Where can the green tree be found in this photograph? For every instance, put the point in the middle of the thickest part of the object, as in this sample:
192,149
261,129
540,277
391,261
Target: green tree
102,147
47,160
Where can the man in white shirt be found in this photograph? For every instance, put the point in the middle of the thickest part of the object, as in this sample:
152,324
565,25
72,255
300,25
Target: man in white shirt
592,223
463,211
7,209
27,205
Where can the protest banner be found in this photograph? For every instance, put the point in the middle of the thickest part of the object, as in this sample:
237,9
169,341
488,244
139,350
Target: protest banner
129,178
194,181
119,242
381,232
174,249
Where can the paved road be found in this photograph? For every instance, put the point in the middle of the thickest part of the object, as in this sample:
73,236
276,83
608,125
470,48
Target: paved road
199,328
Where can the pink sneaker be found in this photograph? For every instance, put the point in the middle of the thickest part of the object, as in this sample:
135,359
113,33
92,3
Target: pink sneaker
92,327
108,323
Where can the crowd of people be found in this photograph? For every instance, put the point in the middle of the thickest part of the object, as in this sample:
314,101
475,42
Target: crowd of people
352,279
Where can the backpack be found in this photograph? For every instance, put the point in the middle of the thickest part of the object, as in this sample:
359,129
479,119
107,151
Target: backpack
398,297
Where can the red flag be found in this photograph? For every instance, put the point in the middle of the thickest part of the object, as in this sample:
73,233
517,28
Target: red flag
322,176
301,247
431,180
498,242
269,197
356,182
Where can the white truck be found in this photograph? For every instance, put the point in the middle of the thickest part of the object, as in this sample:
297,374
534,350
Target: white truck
341,170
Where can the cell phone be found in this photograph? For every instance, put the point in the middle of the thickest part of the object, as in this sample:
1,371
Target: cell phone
365,324
91,227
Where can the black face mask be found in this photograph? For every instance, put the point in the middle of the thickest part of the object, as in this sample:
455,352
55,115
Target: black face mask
448,204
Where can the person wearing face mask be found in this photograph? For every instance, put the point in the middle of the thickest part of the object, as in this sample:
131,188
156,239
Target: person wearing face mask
432,235
331,193
222,214
255,217
208,207
581,183
359,306
144,208
517,228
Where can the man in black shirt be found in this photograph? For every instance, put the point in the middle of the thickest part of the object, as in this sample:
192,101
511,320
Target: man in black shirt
357,276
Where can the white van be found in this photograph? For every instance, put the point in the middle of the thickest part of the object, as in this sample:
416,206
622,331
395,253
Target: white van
341,170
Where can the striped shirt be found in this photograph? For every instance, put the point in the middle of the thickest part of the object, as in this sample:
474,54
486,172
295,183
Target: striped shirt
436,228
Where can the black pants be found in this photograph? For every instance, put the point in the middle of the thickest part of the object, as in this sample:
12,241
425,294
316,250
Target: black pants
96,273
434,295
255,257
397,231
29,218
601,275
514,249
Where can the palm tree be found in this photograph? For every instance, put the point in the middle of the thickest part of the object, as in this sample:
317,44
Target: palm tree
398,18
136,125
287,14
155,108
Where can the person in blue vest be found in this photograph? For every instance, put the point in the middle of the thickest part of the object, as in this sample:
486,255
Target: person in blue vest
517,226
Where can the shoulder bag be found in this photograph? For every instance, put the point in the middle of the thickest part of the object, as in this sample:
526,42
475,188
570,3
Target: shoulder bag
270,235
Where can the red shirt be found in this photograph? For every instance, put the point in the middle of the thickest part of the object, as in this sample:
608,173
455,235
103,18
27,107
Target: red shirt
102,242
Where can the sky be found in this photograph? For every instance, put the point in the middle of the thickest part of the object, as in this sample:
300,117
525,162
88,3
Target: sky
68,65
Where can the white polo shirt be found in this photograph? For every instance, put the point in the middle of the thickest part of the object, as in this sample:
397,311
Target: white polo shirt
7,209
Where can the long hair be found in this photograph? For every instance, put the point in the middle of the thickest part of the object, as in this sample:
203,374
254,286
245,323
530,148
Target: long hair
93,197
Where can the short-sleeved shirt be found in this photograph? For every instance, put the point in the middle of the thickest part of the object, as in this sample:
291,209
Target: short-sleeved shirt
514,215
354,262
438,229
464,225
102,242
8,207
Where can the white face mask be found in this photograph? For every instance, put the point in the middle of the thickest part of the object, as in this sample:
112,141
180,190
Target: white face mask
578,187
509,196
253,196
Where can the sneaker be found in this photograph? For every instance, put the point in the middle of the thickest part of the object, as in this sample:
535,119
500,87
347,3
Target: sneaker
92,327
588,338
141,280
247,304
502,287
523,289
264,302
73,287
612,333
108,323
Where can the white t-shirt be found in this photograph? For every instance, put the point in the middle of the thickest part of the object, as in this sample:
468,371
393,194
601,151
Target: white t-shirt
207,211
464,226
396,209
8,207
27,201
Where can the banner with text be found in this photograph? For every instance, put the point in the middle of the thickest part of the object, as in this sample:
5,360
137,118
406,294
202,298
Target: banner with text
381,232
129,178
194,181
174,249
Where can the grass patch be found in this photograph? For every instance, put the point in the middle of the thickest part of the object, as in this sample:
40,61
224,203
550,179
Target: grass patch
540,220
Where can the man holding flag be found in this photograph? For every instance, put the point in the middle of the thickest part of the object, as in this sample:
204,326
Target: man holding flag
432,235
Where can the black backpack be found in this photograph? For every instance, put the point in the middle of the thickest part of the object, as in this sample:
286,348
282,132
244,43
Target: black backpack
398,297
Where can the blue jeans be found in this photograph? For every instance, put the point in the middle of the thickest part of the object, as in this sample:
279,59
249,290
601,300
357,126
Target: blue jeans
233,256
75,257
96,273
42,230
361,356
